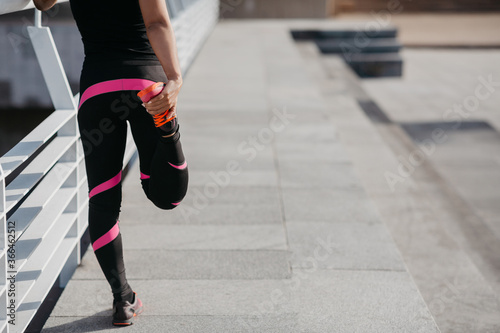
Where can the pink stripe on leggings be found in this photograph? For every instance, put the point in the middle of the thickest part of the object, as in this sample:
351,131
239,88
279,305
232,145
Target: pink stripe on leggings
180,167
144,176
106,185
107,237
113,85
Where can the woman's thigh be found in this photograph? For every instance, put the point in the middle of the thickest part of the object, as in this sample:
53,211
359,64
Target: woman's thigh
103,135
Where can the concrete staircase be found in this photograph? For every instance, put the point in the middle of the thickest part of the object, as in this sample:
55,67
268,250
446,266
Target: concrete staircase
369,53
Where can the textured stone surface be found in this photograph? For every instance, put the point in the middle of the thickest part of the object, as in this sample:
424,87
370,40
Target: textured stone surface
361,301
175,297
239,262
194,264
283,323
440,214
327,204
342,245
205,237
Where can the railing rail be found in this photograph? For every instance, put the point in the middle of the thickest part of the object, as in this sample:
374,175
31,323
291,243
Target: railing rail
11,6
43,187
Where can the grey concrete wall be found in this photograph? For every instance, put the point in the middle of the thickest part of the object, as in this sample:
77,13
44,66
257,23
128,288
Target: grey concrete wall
273,8
21,81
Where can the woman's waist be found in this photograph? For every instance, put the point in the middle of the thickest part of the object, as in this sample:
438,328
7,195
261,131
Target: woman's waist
94,73
118,46
120,59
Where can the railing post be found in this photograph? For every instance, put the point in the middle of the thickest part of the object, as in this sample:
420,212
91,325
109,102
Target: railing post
51,65
71,155
38,18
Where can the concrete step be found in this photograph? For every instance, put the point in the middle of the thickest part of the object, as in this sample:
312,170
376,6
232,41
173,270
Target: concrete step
346,33
369,53
376,64
347,46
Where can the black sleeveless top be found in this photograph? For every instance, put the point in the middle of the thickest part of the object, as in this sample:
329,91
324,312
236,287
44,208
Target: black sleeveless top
113,32
115,42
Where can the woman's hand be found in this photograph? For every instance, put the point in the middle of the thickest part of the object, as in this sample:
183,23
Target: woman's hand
166,100
44,5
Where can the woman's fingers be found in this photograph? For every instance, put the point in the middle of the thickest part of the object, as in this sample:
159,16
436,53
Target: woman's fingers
170,92
160,108
166,100
172,112
158,100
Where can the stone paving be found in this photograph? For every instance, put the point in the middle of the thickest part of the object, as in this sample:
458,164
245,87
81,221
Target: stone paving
456,92
278,232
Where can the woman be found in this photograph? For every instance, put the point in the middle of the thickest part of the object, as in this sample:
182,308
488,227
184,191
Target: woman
129,45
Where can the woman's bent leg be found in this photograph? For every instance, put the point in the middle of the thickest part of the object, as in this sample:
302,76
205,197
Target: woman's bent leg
164,172
169,173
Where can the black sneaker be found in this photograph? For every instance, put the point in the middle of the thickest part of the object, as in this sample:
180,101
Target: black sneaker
124,311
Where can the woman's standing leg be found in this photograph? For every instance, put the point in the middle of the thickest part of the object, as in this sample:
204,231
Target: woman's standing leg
104,137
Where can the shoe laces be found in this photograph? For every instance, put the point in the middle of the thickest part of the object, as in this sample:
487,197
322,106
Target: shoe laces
161,119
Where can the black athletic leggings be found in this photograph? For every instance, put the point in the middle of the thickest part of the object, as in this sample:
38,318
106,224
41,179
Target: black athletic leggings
108,100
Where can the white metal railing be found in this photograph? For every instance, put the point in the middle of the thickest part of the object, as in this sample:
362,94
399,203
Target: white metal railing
43,187
10,6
